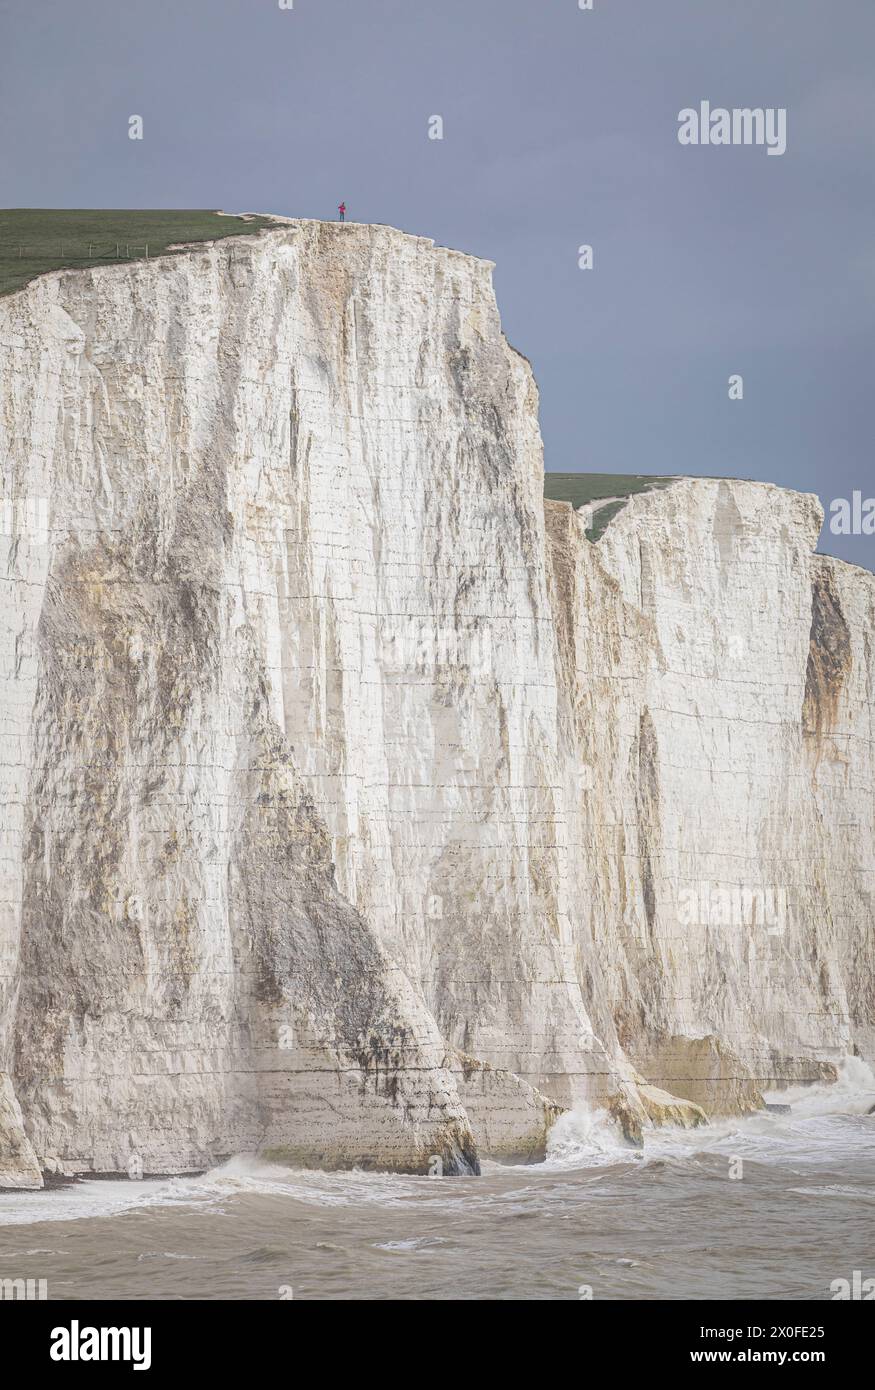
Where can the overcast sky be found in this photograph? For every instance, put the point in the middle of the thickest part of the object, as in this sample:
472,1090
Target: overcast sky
560,128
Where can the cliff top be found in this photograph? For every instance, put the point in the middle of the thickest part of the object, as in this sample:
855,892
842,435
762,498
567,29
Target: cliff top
609,490
34,241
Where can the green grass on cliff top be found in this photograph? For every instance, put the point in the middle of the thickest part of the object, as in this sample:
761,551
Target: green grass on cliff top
36,240
581,488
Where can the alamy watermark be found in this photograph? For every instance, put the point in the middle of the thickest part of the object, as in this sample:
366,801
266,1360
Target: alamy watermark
742,125
77,1343
414,646
852,516
30,1290
856,1289
25,518
707,904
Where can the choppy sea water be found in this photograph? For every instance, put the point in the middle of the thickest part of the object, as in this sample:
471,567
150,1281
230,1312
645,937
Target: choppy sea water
670,1222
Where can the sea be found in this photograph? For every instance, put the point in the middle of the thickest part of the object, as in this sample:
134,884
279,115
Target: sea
780,1205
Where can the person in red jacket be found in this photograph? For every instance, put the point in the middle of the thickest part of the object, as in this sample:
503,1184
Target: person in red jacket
342,210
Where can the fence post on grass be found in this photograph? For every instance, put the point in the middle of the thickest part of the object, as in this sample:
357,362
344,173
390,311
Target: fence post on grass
117,253
147,250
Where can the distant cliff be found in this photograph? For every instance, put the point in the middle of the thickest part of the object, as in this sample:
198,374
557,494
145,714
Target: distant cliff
357,808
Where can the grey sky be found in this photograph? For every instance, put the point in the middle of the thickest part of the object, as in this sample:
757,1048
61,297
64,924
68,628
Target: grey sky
560,128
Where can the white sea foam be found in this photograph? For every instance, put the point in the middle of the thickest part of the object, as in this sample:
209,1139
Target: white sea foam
584,1138
587,1138
825,1124
241,1176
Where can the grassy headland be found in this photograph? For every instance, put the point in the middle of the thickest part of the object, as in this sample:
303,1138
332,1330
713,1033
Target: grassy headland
36,240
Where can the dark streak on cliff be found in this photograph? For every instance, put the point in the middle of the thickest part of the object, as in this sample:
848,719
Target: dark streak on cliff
829,656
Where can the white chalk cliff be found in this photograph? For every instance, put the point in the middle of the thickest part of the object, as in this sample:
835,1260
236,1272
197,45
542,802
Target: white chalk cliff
356,808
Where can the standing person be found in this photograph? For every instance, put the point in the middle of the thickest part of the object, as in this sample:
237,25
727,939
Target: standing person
342,210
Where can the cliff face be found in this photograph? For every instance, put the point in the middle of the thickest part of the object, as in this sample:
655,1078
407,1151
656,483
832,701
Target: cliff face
720,696
355,807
